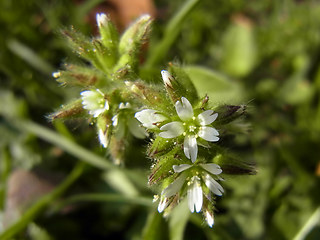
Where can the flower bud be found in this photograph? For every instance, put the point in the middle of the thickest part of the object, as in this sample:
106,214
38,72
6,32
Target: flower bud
104,127
178,84
131,42
68,111
108,32
229,113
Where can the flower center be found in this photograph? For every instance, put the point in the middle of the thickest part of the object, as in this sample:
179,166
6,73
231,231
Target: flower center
192,128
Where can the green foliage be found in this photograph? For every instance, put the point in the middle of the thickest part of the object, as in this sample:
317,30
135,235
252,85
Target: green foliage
257,56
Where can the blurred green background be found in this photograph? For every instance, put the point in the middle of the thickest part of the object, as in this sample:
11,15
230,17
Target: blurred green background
265,54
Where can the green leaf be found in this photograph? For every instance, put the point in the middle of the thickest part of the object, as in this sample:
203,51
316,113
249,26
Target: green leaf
218,87
155,229
178,220
239,51
38,233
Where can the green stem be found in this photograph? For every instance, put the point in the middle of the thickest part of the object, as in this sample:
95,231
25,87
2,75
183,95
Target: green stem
310,224
5,170
64,143
170,34
102,197
43,202
72,148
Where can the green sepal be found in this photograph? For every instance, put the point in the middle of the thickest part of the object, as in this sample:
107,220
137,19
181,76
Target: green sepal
150,96
71,110
104,55
181,86
229,113
135,35
104,123
162,168
109,35
160,146
131,42
117,149
234,166
82,46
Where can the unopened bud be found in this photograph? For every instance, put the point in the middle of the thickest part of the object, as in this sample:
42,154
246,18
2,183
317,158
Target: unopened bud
101,19
56,74
167,78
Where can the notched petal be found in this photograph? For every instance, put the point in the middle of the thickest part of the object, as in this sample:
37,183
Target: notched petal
207,117
212,168
213,185
181,168
171,130
190,147
174,187
209,134
184,109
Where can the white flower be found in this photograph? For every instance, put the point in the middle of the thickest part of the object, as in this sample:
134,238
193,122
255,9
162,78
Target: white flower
191,127
194,191
94,101
149,118
132,123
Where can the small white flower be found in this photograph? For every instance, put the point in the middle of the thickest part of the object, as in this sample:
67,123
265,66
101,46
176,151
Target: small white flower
191,127
149,118
95,102
194,191
132,123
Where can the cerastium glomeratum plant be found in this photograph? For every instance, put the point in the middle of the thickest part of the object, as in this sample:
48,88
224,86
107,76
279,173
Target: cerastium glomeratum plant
185,130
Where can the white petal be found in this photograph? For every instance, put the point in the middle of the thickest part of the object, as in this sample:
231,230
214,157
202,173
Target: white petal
96,112
171,130
135,129
115,120
198,197
190,147
174,187
209,218
208,133
164,202
106,105
207,117
184,109
103,138
167,78
87,93
101,19
149,118
124,105
95,102
121,105
195,198
213,185
212,168
181,168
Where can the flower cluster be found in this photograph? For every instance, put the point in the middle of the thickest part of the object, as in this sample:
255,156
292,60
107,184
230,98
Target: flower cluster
185,130
189,129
